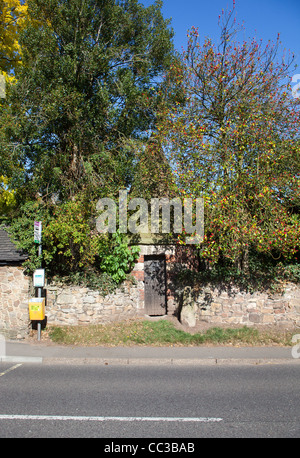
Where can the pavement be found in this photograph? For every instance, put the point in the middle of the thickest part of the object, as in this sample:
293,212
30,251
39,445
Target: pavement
49,353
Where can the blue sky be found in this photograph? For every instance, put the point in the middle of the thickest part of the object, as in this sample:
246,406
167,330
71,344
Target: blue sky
263,19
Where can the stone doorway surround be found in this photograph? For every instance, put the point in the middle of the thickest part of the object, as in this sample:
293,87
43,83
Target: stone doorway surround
168,251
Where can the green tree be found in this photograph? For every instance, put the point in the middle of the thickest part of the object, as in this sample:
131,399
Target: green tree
153,175
71,249
82,92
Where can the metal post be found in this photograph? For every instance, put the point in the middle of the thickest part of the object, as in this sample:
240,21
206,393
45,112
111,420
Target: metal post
39,325
39,328
37,234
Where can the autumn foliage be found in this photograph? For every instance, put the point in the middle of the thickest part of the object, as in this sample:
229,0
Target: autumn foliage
12,17
232,137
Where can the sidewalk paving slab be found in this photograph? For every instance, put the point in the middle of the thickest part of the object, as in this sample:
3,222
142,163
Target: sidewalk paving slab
45,353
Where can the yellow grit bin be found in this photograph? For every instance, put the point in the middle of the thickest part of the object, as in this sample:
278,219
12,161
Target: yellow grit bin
37,308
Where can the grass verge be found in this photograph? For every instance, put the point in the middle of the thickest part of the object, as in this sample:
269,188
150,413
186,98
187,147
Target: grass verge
162,333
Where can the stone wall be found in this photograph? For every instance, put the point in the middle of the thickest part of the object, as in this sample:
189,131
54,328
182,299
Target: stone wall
74,305
14,294
218,306
230,306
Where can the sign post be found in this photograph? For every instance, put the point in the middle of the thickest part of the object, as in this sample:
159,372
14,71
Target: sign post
38,273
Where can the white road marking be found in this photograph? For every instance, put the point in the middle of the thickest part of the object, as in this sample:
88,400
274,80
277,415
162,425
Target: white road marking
10,369
87,418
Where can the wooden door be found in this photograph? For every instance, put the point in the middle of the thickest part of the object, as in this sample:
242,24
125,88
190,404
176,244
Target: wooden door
155,285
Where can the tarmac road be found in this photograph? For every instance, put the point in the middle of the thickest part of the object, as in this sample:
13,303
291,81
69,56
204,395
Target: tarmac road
208,392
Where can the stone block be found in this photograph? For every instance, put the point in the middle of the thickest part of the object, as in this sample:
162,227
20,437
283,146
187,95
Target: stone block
89,300
63,299
138,266
251,305
254,317
268,319
295,302
216,307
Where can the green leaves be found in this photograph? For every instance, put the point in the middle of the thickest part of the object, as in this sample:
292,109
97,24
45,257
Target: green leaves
118,258
84,98
72,248
79,94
